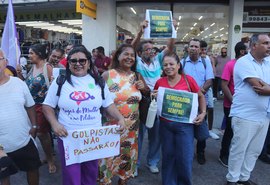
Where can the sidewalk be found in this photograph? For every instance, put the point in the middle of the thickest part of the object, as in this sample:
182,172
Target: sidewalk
212,173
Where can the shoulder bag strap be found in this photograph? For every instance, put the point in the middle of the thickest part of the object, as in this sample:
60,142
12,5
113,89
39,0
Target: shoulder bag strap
185,77
45,74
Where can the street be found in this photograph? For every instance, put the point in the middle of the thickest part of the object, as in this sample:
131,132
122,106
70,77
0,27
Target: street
212,173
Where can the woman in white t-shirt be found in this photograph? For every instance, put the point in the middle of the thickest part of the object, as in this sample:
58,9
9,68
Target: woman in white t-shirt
80,100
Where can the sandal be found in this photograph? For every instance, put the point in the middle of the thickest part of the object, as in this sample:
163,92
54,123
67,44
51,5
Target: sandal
122,182
52,168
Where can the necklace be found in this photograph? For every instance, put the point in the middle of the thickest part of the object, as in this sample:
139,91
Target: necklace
121,71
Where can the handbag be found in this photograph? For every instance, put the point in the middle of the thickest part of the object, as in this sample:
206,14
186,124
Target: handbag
143,104
201,131
144,107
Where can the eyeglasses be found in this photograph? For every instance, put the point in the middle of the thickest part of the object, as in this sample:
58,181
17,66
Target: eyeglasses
150,50
82,61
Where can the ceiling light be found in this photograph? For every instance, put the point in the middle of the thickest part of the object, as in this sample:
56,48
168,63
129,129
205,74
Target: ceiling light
198,35
200,17
210,34
191,28
221,35
132,9
216,37
215,32
195,24
179,17
205,36
201,32
226,33
212,24
221,29
178,23
206,28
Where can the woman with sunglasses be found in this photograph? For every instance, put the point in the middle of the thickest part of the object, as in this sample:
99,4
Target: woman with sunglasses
126,86
81,79
177,137
38,82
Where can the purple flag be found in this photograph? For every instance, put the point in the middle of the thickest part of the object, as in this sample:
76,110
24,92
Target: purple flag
9,42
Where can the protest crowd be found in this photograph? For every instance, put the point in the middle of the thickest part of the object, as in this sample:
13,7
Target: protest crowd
95,97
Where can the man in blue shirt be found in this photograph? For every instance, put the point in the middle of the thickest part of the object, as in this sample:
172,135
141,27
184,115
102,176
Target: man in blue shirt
202,72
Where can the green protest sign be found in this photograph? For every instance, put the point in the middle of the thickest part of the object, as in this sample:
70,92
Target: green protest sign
176,105
160,24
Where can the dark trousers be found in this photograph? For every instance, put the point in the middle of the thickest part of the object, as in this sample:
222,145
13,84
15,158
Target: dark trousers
266,146
228,134
216,86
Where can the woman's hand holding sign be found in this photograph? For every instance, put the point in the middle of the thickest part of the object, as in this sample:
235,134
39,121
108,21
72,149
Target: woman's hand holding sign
59,130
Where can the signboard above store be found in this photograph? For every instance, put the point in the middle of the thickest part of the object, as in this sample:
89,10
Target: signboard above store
256,16
86,7
43,16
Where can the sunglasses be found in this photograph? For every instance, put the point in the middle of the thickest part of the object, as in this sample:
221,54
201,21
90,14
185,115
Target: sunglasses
82,61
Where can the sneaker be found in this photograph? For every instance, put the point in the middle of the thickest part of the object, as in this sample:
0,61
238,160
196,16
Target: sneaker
153,169
224,161
230,183
136,172
248,182
213,135
201,158
264,158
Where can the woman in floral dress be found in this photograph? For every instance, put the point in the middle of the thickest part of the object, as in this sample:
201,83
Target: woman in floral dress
126,86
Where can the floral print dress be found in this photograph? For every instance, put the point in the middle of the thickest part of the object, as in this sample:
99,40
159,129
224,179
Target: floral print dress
37,86
126,98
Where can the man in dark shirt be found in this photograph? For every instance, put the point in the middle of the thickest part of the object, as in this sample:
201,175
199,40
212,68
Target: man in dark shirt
102,62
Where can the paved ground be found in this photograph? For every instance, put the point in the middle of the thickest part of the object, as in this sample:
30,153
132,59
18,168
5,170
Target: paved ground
212,173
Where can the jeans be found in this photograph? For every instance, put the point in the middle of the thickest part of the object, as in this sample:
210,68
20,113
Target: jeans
153,155
228,134
201,134
177,152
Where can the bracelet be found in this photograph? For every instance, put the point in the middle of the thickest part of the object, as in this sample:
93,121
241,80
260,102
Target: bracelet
1,147
203,90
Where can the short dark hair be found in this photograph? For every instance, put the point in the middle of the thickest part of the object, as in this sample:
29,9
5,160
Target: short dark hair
203,44
196,40
100,49
238,47
156,49
59,50
40,50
